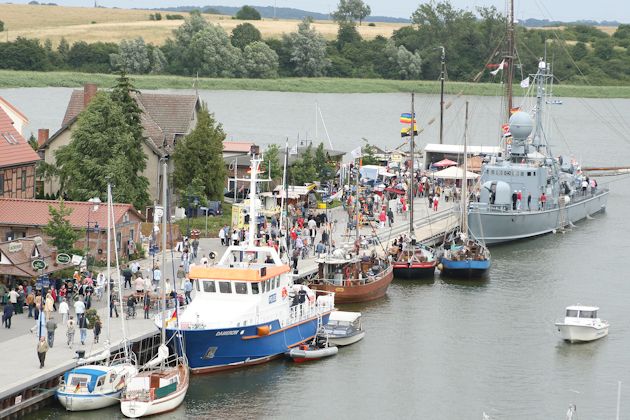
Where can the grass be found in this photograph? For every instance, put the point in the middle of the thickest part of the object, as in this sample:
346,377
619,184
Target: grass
214,223
114,25
19,79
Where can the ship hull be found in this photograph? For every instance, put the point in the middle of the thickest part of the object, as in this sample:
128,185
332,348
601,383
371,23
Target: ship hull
213,350
358,293
414,270
493,227
465,268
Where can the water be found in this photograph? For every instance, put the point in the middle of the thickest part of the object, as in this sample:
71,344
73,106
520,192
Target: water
440,348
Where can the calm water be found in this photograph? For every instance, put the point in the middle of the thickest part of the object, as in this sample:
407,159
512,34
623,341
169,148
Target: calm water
440,349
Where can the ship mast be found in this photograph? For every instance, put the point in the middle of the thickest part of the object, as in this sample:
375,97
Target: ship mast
509,59
442,75
411,147
464,222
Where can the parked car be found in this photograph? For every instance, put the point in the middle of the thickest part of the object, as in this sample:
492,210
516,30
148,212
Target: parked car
214,208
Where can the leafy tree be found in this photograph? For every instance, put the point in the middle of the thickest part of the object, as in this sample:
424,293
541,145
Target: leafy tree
103,147
1,26
133,56
195,190
211,54
260,61
248,13
347,34
93,58
604,48
22,54
63,49
308,51
579,51
32,141
177,50
408,65
158,61
244,34
351,11
272,161
368,157
59,228
199,155
303,169
323,167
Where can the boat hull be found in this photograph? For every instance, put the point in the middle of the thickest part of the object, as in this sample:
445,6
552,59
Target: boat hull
414,270
465,268
84,402
213,350
581,333
347,340
136,409
493,227
360,292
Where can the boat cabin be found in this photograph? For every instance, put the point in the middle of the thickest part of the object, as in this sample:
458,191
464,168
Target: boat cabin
345,319
582,312
351,271
86,379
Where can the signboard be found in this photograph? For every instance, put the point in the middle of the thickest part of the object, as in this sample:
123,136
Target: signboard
153,250
38,264
272,298
15,246
63,258
42,282
76,259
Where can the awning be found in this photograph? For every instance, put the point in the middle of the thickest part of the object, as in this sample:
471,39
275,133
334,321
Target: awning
454,172
444,163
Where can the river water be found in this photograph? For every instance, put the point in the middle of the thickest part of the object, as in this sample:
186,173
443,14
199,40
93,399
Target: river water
439,349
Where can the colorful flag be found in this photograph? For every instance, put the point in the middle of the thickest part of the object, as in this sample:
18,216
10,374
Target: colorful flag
405,118
494,72
356,153
525,83
406,131
173,317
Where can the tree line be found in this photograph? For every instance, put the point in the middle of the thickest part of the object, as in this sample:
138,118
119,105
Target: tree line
580,53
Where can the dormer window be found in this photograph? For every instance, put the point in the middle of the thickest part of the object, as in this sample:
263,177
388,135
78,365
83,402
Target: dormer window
126,217
9,138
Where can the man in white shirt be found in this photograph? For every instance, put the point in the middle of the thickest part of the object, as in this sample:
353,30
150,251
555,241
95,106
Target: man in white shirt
79,308
13,299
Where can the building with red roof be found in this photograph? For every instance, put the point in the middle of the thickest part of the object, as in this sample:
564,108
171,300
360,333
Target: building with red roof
17,157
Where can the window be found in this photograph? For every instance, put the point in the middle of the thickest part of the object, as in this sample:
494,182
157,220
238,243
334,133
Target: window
240,288
23,179
209,286
131,235
225,287
586,314
572,313
1,184
255,288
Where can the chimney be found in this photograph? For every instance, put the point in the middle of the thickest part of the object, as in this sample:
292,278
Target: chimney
42,136
89,90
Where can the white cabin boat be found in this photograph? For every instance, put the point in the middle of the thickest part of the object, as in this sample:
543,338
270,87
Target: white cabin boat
581,324
344,328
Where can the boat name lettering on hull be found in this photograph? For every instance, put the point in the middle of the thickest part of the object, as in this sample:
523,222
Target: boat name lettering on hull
231,332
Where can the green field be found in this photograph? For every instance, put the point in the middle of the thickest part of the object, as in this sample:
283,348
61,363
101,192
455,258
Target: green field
17,79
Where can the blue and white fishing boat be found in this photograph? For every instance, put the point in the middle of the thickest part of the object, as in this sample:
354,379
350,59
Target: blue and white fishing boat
246,309
462,254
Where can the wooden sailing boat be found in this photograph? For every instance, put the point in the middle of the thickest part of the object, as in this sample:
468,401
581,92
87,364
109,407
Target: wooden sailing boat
462,254
162,383
413,260
99,380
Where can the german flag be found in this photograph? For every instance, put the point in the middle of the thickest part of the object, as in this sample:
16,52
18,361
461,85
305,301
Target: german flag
406,131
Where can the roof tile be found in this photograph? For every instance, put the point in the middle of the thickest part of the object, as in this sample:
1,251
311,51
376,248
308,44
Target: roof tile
14,149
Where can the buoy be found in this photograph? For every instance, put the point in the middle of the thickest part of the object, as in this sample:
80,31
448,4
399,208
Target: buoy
440,266
263,330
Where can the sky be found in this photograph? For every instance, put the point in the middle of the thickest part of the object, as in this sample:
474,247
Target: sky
563,10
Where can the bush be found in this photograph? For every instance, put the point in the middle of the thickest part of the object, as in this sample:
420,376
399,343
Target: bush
174,17
248,13
371,24
158,16
1,26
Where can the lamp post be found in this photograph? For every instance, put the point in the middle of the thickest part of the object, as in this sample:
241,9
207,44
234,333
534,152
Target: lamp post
95,201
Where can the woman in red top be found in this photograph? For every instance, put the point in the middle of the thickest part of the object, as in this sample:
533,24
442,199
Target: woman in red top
382,218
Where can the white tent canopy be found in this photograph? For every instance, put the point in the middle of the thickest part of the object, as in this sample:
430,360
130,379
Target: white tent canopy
454,172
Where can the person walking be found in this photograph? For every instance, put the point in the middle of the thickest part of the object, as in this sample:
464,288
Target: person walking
82,329
79,309
64,309
97,329
38,305
390,217
436,201
7,315
13,298
147,304
187,290
42,348
529,202
195,248
71,327
48,305
127,274
222,236
30,302
51,326
113,305
382,218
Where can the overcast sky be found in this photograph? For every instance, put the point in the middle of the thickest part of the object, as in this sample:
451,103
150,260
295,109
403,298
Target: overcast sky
563,10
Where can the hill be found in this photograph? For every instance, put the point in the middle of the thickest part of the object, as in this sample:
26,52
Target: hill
279,13
113,25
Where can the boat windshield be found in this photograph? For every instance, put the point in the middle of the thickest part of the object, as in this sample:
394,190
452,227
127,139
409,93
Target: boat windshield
572,313
588,314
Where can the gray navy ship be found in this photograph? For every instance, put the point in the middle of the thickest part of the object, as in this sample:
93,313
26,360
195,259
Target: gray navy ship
560,193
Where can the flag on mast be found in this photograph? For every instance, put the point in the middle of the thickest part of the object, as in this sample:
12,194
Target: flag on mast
494,72
525,83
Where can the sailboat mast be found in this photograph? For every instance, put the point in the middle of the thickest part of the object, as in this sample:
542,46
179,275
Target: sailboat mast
284,215
357,204
509,59
464,200
253,215
412,174
164,227
442,75
109,259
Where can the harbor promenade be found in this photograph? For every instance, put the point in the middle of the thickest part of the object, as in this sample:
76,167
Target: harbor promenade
19,368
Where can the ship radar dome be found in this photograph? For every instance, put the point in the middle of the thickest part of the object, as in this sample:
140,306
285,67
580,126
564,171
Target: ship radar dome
521,125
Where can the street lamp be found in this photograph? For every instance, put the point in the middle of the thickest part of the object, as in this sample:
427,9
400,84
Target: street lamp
95,201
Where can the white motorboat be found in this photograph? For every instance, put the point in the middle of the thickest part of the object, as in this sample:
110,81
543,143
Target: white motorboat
319,348
344,328
581,324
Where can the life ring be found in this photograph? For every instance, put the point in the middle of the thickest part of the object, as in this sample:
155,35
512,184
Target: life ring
284,293
346,272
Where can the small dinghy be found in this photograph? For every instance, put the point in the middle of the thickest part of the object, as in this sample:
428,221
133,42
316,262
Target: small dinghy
582,324
317,349
344,328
